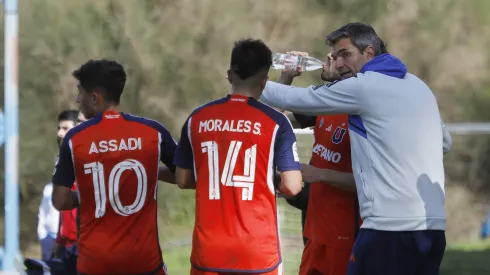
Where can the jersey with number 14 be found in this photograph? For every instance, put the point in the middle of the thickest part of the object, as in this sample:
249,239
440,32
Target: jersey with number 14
234,145
115,158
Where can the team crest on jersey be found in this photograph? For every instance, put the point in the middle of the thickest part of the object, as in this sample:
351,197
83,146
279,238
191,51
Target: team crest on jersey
338,135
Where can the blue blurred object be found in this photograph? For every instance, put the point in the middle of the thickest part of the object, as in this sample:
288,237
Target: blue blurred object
18,261
11,103
485,228
2,136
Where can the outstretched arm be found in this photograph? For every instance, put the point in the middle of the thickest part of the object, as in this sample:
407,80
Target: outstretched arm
338,179
342,97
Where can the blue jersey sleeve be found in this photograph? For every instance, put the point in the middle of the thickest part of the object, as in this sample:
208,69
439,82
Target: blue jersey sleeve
286,151
167,149
64,172
184,157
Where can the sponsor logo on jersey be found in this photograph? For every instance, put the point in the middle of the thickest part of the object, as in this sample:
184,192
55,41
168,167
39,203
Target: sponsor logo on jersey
238,99
112,116
326,153
295,152
329,128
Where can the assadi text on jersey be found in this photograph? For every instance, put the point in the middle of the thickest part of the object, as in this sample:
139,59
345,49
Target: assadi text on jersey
113,145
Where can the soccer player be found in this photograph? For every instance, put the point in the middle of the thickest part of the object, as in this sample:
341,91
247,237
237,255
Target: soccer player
397,152
66,248
49,218
115,159
228,151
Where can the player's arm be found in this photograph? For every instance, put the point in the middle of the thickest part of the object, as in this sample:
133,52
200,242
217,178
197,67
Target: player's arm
342,97
287,160
447,141
63,177
165,174
167,152
184,160
297,120
338,179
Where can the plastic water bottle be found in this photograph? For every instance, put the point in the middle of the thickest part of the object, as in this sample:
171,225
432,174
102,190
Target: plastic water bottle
281,61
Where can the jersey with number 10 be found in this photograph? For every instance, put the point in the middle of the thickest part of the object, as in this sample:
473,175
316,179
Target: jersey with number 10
234,145
115,158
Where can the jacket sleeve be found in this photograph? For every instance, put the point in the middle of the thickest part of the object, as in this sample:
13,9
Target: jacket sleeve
343,97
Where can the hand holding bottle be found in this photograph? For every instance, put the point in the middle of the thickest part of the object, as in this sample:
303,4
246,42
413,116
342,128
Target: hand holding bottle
294,60
291,65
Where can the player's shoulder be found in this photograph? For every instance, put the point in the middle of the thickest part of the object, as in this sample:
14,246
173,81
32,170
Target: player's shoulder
80,128
145,122
278,117
209,105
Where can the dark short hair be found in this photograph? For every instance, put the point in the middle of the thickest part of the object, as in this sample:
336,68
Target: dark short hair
71,115
361,36
106,75
250,57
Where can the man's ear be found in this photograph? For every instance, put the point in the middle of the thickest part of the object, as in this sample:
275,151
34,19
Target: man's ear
228,76
97,97
370,52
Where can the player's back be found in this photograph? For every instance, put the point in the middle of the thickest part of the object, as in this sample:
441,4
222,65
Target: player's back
233,140
116,158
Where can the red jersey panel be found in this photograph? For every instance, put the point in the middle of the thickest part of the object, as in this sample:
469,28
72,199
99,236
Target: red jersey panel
67,230
115,159
234,145
333,214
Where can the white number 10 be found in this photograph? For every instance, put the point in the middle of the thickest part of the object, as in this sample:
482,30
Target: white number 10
97,171
228,178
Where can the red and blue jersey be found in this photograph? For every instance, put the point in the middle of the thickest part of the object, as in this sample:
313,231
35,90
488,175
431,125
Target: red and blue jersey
114,158
234,146
67,229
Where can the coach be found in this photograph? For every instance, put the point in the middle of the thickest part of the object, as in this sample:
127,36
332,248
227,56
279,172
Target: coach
397,152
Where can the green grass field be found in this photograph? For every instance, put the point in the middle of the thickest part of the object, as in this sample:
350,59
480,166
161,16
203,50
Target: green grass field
460,259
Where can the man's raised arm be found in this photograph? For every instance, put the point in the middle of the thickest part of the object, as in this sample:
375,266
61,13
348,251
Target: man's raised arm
343,97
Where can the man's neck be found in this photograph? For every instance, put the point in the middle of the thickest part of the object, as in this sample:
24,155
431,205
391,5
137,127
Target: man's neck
245,92
111,108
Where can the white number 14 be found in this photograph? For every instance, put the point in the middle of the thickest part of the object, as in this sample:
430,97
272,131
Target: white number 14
228,178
